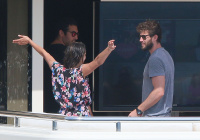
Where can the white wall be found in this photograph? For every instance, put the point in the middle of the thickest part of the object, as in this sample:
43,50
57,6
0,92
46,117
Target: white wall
37,60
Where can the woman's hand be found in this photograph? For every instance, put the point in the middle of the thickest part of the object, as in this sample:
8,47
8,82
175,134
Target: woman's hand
24,40
111,45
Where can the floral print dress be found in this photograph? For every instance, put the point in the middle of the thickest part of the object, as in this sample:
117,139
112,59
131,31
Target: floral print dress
71,90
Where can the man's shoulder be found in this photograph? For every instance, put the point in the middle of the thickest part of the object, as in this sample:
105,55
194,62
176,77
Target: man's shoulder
57,51
53,48
160,53
56,45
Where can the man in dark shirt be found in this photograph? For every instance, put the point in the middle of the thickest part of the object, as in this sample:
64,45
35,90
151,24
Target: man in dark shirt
66,32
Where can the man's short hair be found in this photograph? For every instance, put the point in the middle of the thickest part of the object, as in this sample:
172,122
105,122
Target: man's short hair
63,24
152,26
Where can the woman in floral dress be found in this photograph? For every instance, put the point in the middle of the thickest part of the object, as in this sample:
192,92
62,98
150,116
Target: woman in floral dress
70,85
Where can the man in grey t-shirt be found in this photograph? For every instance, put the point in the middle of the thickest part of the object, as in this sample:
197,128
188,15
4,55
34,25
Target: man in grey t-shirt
158,76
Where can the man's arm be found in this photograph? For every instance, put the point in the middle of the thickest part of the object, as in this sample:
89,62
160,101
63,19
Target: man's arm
157,93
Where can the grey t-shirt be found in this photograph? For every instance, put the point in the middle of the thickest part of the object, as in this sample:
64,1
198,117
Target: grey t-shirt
160,63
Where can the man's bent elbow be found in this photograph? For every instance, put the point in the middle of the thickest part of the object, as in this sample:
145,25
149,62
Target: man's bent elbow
161,93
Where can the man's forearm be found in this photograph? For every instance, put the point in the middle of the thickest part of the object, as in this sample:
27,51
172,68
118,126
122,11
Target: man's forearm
152,99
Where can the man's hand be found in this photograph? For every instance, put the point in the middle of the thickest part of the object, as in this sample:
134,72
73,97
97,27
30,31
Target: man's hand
133,113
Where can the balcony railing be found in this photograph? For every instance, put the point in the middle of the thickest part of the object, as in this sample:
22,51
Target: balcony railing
55,118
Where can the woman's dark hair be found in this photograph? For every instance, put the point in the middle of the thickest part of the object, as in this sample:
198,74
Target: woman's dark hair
152,26
73,54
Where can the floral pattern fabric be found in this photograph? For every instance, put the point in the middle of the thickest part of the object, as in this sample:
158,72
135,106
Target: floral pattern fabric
71,90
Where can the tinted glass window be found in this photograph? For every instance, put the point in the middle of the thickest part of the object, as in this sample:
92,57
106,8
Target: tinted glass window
119,81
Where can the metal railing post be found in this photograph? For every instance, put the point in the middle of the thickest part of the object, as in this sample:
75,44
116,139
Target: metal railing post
54,125
118,127
16,122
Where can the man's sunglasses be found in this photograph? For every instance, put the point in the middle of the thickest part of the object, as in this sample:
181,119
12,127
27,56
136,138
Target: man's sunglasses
144,37
74,33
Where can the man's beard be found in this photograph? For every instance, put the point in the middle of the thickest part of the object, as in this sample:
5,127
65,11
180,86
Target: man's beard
148,46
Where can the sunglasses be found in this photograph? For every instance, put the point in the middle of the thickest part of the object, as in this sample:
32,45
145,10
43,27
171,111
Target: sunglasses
144,37
74,33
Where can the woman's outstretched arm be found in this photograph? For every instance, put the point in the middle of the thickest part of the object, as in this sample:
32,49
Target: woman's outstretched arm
99,60
24,40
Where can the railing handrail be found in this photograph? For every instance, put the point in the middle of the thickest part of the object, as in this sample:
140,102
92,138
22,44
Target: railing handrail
95,118
56,117
32,115
132,118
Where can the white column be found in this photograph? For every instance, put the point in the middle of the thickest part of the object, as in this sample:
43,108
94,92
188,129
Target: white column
37,60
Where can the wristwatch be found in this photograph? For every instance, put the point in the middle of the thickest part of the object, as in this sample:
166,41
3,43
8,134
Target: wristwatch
139,112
